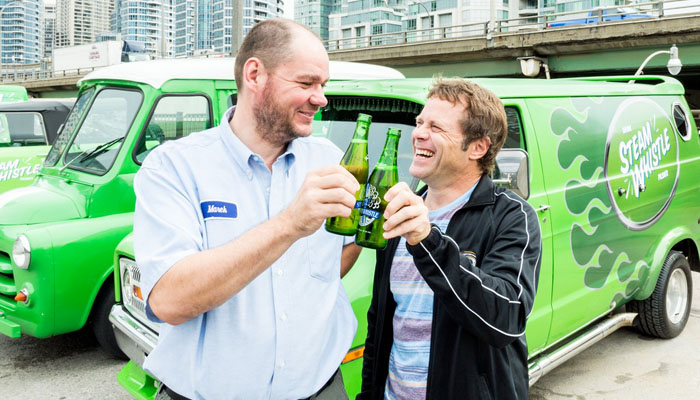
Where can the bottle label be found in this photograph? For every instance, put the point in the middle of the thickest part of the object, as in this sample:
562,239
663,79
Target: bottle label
358,204
370,213
370,206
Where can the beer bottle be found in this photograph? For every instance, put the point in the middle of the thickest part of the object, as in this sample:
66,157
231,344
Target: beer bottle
384,176
356,162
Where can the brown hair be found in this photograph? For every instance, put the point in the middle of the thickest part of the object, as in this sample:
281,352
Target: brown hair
270,41
484,115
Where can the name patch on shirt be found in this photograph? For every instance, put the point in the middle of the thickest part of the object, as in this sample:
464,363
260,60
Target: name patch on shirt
219,209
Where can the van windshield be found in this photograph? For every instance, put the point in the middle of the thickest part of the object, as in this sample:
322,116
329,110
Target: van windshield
69,126
103,130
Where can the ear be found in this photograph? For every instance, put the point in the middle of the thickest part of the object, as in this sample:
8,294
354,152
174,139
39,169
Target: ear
254,75
479,147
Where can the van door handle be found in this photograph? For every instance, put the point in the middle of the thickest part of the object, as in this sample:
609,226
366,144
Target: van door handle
543,207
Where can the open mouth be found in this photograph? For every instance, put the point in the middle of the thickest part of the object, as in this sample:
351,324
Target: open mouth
424,153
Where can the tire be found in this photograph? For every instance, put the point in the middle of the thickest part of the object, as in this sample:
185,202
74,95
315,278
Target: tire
665,313
101,327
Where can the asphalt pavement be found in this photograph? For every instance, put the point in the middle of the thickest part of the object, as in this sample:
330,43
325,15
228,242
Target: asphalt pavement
626,365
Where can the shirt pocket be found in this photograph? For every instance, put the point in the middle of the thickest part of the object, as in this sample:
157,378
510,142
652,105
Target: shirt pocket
323,252
220,231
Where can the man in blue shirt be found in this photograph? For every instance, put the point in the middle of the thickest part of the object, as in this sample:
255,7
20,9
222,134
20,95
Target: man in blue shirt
228,235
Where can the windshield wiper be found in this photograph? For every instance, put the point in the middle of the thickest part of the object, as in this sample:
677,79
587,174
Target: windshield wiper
88,154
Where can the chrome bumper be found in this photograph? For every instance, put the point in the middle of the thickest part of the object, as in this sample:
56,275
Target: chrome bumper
133,338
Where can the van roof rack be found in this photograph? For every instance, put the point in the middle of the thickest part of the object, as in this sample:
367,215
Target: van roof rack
644,79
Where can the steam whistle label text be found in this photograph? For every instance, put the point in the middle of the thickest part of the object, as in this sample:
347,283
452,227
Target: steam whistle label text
219,209
640,155
370,213
12,170
358,203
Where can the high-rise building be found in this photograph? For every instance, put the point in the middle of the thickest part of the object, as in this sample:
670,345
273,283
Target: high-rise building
314,14
49,28
80,21
255,11
21,33
207,26
148,22
358,22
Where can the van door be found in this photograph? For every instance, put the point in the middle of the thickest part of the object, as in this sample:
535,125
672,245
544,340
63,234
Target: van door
521,134
608,208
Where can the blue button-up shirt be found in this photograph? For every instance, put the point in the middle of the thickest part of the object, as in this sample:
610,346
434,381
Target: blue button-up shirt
284,334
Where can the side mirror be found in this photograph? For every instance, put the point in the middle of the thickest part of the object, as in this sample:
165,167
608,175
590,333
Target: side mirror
512,171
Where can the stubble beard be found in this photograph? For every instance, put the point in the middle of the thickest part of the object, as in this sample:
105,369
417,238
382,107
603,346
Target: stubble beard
272,123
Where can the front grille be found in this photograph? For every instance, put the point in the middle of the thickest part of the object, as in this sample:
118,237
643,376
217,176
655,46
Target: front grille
8,289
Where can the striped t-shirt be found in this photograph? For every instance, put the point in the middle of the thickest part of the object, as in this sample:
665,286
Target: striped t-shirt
413,318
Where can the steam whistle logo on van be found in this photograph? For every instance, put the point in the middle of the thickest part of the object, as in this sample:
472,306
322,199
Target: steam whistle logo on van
24,169
219,209
641,162
370,206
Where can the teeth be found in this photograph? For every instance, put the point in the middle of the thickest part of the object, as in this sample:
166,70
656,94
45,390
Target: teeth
424,153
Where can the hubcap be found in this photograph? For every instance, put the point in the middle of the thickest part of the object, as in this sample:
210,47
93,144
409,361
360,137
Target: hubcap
676,296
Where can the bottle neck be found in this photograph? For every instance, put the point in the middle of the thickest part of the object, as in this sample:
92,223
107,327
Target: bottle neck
391,147
360,134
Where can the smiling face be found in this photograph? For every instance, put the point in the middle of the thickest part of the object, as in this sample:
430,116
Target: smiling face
438,157
293,92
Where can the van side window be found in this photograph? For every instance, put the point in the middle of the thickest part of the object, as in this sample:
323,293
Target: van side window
174,117
515,139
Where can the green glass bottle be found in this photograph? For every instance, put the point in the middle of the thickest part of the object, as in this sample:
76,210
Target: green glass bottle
384,176
356,162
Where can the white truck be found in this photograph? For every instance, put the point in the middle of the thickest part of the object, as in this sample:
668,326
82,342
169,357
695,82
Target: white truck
94,55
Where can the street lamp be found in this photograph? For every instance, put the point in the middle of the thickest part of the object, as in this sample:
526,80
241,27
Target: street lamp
430,16
674,63
1,11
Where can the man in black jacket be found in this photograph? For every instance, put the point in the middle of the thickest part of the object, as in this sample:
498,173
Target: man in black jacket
455,285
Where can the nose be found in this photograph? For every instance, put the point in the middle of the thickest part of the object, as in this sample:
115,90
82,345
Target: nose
419,133
318,98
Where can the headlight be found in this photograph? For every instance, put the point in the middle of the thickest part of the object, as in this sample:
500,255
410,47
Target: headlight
127,288
131,283
21,252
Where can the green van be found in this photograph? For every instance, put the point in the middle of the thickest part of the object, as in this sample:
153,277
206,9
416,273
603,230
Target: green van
27,129
609,166
12,94
58,235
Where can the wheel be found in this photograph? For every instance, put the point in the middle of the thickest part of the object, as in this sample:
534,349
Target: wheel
665,313
101,327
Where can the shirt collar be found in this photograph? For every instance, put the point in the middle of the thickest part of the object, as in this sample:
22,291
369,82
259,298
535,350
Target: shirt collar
243,155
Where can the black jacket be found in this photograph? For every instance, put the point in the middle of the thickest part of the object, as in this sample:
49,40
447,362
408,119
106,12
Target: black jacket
483,273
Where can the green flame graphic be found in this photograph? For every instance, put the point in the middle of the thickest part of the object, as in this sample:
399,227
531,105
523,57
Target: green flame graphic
595,244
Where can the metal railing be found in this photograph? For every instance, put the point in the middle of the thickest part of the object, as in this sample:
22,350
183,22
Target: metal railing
540,22
24,76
